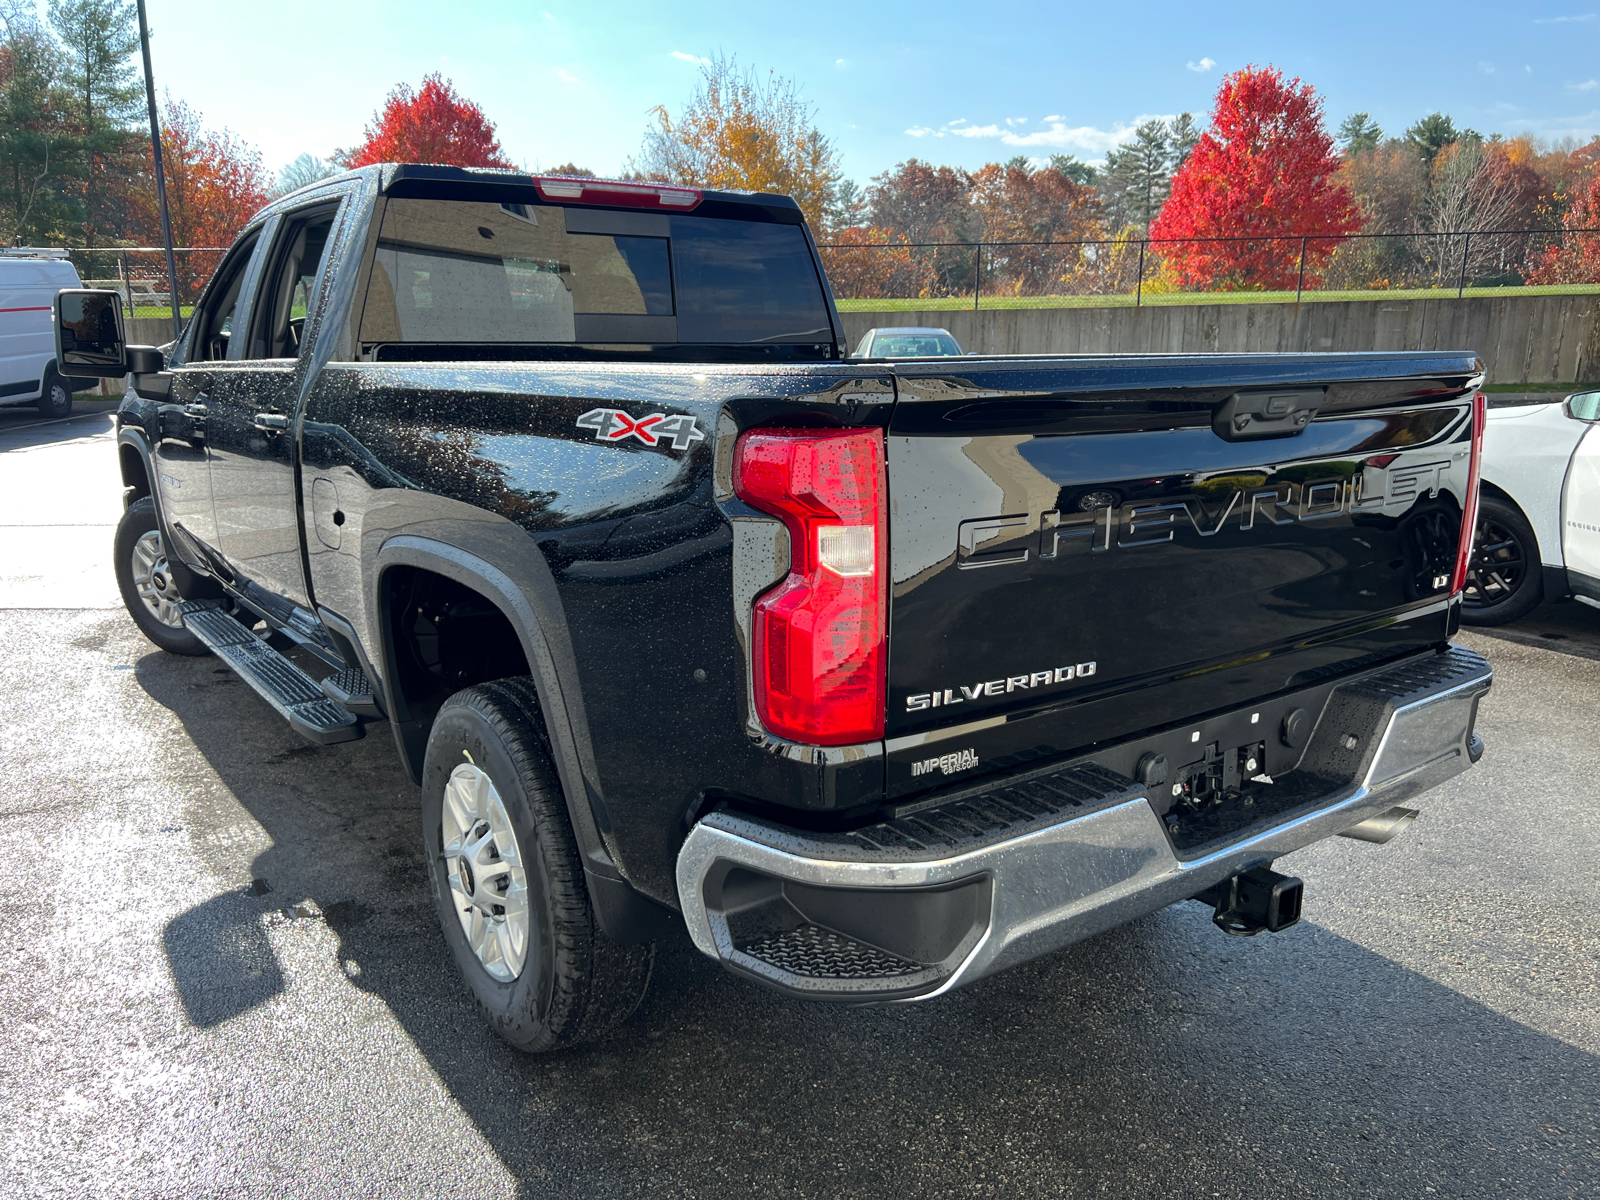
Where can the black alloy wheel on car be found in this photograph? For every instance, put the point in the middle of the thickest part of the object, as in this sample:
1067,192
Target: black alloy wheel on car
508,881
55,397
1504,577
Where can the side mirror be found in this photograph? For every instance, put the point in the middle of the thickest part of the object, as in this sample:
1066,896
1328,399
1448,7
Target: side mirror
90,342
1584,406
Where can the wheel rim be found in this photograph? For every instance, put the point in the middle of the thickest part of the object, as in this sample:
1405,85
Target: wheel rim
60,398
1498,565
488,885
152,579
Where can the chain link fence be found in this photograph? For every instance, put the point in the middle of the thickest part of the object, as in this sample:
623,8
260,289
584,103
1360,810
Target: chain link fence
879,274
140,274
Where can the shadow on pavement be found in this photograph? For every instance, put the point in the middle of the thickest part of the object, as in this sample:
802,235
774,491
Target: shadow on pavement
1158,1059
1567,628
36,430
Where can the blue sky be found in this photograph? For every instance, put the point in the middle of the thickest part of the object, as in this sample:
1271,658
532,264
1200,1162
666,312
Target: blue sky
959,83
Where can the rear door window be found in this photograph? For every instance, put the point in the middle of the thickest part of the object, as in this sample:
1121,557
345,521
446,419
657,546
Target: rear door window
452,272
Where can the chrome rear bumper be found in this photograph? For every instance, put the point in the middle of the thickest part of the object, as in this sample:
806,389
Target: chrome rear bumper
816,917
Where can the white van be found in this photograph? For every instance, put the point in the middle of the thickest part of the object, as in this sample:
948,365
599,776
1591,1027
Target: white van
29,281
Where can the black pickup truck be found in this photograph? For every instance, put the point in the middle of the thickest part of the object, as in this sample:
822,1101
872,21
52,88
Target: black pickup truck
872,677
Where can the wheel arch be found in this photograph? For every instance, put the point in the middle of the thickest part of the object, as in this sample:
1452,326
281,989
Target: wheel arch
554,679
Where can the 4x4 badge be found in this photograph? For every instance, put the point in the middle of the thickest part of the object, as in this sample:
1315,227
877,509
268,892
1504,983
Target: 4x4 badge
614,425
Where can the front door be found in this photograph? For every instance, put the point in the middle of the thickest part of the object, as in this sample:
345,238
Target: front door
182,461
251,422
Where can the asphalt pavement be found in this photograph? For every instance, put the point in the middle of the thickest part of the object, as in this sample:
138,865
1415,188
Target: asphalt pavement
223,975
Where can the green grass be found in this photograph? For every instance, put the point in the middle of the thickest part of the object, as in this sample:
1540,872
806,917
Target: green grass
959,303
145,312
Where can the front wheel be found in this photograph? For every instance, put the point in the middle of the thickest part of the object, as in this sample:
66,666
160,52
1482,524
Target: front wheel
508,881
55,398
1504,577
148,580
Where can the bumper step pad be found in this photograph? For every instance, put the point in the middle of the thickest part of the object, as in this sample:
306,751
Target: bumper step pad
296,696
817,953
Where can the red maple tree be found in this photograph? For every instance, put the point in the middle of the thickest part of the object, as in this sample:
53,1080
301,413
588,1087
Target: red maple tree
1263,171
432,125
215,183
1577,258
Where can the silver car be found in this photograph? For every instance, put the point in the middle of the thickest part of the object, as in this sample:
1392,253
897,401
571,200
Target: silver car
910,341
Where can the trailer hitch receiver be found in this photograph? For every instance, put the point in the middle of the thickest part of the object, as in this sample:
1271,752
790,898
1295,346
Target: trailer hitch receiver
1256,900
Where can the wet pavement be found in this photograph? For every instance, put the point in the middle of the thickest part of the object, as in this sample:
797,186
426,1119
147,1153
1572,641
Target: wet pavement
224,976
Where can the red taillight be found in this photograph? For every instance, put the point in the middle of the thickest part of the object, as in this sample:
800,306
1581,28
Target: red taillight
614,191
1469,509
819,657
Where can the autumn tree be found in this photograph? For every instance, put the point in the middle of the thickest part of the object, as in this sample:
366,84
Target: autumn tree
215,183
431,125
1017,204
1577,258
745,132
1265,170
100,38
920,204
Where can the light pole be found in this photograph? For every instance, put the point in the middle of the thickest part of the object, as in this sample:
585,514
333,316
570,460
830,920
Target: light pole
161,175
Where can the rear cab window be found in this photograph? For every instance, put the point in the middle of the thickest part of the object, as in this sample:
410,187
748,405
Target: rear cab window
454,279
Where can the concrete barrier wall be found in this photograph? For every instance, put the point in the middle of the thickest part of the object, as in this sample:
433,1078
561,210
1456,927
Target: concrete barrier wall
148,331
1522,339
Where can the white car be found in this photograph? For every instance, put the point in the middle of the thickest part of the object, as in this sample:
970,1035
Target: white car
1538,535
29,281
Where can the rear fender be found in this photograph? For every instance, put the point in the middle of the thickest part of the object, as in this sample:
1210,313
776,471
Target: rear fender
500,561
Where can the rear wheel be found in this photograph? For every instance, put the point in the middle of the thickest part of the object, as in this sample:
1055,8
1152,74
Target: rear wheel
149,582
507,879
1504,577
55,398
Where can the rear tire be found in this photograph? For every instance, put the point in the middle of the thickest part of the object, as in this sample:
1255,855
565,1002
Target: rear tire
1505,579
508,880
55,398
148,582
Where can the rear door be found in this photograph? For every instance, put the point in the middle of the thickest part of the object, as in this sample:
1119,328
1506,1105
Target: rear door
1077,554
251,423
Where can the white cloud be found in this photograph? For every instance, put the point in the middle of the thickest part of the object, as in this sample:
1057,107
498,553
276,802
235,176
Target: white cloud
689,58
1204,65
1055,134
1016,120
564,77
1486,68
1565,20
841,62
1588,85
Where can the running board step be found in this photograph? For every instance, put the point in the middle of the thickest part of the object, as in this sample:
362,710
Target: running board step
352,689
296,696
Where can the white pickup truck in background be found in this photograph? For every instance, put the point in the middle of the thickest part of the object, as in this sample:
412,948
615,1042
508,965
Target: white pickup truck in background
1538,534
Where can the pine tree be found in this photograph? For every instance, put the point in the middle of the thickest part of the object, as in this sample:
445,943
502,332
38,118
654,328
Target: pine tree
100,38
1359,132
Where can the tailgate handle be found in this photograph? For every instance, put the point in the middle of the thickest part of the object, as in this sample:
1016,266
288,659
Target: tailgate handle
1246,416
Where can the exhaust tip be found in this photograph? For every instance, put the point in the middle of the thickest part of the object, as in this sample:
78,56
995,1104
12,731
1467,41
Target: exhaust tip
1384,827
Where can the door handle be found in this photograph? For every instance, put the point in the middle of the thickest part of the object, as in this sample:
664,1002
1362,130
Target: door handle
271,421
197,411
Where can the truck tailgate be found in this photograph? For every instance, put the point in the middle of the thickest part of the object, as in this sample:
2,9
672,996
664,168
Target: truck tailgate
1086,549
